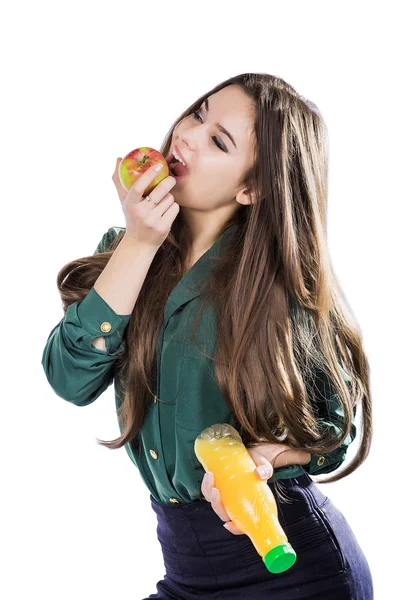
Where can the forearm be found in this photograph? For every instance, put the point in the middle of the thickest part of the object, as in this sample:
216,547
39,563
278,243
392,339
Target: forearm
121,280
291,457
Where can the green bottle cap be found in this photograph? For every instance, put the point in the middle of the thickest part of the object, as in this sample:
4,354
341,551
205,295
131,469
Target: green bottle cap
280,558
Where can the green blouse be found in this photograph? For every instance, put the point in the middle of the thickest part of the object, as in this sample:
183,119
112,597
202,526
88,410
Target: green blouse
79,373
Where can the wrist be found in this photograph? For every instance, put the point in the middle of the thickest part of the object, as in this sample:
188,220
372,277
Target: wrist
290,456
139,247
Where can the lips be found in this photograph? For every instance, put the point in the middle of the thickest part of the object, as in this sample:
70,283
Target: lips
170,157
179,153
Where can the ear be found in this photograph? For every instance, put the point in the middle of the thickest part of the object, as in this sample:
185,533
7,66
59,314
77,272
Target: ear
246,196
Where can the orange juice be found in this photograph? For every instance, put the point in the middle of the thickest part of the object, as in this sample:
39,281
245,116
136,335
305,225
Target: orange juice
248,501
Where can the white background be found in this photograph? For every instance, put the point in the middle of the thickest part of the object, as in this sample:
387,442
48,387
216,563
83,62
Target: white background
86,82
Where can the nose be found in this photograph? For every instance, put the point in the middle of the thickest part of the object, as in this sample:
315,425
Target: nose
186,141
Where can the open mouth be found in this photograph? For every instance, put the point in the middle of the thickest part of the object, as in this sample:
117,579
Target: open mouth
176,168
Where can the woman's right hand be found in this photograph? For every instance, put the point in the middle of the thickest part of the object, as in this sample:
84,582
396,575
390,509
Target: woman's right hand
147,223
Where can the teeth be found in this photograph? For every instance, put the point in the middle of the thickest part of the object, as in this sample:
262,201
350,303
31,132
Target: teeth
178,158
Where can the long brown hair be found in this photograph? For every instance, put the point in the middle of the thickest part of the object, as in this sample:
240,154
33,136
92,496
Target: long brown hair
292,323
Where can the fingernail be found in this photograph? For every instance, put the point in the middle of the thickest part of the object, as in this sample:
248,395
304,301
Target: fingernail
262,472
158,167
213,492
207,477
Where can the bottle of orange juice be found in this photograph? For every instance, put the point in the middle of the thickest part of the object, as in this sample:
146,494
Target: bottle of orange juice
249,501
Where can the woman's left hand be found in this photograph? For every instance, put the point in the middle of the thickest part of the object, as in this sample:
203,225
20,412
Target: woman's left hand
262,454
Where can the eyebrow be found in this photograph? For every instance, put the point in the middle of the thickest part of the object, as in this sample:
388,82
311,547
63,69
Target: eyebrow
220,127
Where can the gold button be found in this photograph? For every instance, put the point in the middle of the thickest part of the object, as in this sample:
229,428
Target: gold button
155,398
153,453
321,461
105,327
174,500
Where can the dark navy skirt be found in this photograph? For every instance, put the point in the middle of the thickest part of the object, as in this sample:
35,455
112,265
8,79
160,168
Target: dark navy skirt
204,560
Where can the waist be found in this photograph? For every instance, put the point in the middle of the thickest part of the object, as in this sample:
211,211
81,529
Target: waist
300,492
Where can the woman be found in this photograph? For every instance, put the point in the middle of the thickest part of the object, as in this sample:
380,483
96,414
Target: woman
218,303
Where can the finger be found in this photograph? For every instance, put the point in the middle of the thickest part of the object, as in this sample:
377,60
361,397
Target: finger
138,188
262,473
213,496
217,505
206,489
162,205
122,193
206,485
230,526
119,160
264,469
115,175
161,191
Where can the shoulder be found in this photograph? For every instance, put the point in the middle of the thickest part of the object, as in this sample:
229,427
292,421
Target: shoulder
108,237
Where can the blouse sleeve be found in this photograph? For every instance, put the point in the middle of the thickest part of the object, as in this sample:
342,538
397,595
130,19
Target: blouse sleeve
330,416
77,371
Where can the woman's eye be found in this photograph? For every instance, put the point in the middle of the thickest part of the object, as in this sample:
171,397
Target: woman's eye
197,116
216,140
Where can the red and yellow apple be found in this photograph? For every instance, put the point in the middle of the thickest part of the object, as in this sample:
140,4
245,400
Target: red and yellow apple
134,164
